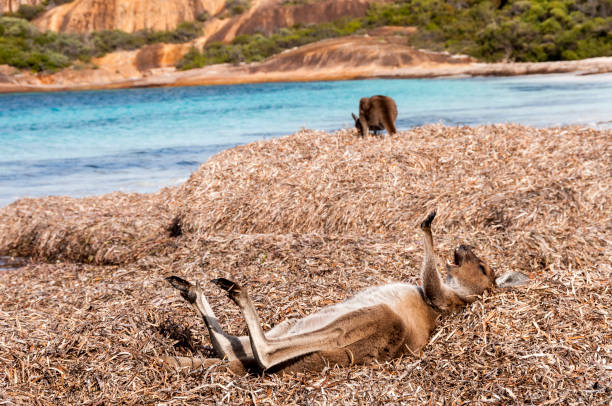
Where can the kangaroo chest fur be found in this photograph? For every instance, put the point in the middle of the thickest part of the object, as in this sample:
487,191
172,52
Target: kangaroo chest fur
404,300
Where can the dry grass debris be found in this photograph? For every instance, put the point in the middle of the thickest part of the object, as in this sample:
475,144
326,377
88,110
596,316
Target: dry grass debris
111,229
305,221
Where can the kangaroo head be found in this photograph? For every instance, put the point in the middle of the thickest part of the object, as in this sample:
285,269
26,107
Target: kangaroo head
469,276
357,123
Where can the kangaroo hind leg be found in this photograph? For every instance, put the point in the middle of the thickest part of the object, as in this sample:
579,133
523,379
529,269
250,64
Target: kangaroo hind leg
328,338
389,123
226,346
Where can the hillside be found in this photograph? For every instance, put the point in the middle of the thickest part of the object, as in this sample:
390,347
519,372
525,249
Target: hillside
305,221
128,16
353,57
223,19
140,42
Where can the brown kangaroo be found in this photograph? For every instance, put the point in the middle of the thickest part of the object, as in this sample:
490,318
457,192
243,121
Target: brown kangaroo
376,113
378,323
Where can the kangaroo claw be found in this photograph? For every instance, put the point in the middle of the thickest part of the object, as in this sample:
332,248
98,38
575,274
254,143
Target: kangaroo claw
184,287
427,222
179,283
232,288
226,284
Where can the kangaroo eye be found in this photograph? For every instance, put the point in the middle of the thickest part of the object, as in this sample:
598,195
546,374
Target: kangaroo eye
483,270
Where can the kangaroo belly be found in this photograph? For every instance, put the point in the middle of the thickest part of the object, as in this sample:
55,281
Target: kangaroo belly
371,333
403,299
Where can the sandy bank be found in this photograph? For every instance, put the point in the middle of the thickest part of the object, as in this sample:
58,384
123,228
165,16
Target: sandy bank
307,220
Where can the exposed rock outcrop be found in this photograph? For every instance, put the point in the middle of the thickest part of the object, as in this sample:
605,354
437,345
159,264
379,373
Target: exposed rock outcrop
125,15
133,15
357,52
267,16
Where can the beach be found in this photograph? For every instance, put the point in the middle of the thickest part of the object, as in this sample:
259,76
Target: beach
307,220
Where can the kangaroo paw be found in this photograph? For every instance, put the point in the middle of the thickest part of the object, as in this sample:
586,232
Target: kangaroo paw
183,286
427,222
232,288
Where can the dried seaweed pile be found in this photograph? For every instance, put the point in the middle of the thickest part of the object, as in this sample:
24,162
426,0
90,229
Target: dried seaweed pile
307,221
78,334
110,229
542,191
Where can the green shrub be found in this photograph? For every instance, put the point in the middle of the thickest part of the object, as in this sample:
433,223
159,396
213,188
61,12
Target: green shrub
17,27
186,31
203,17
22,45
236,7
521,31
29,12
111,40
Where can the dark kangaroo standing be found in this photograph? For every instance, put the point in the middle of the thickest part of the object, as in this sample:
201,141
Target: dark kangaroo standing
377,324
376,113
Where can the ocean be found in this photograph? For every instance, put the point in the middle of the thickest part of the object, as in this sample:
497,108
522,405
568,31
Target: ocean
139,140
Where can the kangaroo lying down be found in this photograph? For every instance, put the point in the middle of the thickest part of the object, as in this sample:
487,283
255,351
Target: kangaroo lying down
378,323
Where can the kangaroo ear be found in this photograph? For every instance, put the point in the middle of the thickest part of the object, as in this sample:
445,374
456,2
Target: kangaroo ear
512,279
354,117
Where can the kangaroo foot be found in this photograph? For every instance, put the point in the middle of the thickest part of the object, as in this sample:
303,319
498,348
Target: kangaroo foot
427,222
184,287
232,288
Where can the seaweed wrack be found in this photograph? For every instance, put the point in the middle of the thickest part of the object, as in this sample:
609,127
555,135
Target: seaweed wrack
305,221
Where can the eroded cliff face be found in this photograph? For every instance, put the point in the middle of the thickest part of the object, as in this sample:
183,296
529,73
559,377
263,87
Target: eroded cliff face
125,15
269,15
133,15
11,6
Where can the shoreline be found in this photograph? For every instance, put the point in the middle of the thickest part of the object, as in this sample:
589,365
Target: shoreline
483,101
264,72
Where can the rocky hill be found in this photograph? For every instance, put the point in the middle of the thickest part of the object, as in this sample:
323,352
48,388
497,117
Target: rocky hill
382,52
224,19
129,16
143,42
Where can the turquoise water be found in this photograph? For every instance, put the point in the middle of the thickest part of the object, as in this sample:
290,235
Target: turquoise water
83,143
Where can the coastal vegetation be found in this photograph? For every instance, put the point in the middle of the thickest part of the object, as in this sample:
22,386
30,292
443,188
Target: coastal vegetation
257,47
489,30
24,46
235,7
28,12
522,31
